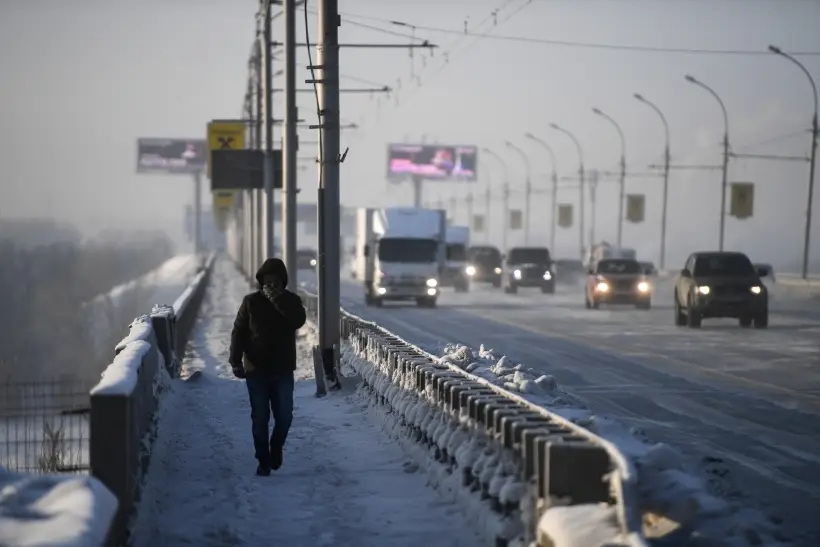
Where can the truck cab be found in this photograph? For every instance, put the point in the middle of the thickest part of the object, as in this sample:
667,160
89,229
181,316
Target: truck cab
401,252
455,268
528,267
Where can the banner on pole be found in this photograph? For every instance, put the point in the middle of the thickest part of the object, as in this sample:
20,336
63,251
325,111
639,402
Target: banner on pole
516,219
743,200
565,215
635,205
478,223
225,135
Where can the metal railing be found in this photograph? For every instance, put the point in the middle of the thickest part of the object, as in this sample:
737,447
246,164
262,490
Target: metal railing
559,459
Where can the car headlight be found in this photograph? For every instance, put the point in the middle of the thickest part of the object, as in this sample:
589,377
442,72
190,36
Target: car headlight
703,289
382,290
643,286
432,282
602,286
470,270
312,261
547,275
517,274
431,292
756,289
497,270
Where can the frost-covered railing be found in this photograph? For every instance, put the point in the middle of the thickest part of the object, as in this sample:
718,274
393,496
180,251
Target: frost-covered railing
530,466
124,402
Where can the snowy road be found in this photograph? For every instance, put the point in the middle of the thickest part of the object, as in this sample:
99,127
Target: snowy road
744,403
344,483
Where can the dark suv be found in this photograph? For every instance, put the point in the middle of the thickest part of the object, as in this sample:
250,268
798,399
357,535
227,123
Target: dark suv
721,284
529,267
484,265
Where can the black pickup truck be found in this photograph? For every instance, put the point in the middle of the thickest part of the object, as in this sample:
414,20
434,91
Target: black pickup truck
721,284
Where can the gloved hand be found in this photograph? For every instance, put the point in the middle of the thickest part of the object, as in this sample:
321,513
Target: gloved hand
238,371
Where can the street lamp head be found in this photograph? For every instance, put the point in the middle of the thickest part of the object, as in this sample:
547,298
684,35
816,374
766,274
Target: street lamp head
691,79
775,49
529,135
508,144
597,111
638,96
554,126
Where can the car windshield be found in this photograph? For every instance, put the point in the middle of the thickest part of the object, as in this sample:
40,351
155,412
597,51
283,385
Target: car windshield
407,250
613,266
484,255
456,252
528,256
727,265
647,266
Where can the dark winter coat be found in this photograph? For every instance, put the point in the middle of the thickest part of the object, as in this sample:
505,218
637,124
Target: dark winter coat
264,332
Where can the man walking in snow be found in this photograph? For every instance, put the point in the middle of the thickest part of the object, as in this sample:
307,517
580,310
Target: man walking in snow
263,352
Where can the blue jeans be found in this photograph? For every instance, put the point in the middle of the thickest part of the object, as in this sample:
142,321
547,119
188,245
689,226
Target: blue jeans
270,392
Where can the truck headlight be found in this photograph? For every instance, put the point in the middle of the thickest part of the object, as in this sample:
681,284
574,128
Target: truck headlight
602,286
703,289
470,270
498,271
547,275
517,274
432,283
643,286
756,290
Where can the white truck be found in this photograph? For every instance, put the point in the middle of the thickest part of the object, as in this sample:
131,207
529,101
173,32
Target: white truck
400,252
455,267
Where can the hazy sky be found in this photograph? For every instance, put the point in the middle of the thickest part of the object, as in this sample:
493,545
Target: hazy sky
82,80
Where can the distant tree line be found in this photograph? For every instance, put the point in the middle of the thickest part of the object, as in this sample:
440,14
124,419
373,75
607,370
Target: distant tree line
42,291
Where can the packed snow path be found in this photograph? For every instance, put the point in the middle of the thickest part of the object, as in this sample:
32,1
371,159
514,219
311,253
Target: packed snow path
743,404
343,483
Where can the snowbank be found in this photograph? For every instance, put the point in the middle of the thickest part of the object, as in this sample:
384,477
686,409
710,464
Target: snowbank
52,511
672,493
588,525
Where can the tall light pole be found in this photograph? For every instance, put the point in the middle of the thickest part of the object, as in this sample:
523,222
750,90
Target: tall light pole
506,187
724,184
290,145
549,150
622,181
527,191
581,183
488,194
665,176
814,136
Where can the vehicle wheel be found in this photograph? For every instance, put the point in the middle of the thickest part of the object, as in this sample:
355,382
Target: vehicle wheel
595,304
645,305
762,320
378,302
693,318
745,321
548,289
513,289
680,317
426,302
497,284
587,303
368,299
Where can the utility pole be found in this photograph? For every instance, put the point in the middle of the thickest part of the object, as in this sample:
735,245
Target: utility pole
527,191
815,133
487,208
197,212
666,159
554,178
593,192
290,146
581,185
622,193
268,167
725,178
470,210
328,197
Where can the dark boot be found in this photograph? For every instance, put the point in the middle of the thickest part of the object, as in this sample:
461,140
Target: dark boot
262,471
275,457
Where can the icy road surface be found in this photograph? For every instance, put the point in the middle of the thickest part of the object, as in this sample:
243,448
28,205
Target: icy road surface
343,483
744,404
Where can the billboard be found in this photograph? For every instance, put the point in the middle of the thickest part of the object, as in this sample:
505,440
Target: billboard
171,155
432,162
242,169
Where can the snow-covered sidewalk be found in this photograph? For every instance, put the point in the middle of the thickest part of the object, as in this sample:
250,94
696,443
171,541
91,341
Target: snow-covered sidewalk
343,482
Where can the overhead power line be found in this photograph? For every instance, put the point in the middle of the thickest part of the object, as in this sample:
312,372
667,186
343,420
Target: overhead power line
569,43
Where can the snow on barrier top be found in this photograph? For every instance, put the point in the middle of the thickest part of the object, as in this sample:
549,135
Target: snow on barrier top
55,511
622,477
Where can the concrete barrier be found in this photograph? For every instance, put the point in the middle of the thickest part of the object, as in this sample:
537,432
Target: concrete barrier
124,402
556,462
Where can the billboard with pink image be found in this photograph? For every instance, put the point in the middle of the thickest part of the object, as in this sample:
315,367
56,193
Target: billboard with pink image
432,162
